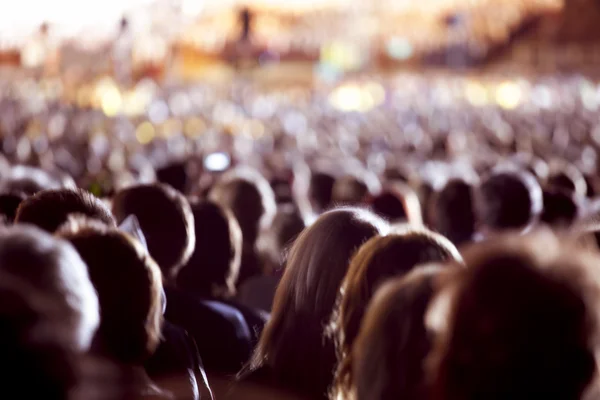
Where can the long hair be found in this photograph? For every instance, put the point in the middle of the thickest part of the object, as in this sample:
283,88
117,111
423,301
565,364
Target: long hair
393,342
380,259
293,345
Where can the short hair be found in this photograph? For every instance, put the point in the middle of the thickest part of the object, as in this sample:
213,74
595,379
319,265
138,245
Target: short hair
37,359
392,345
276,241
129,288
292,344
53,269
561,208
453,212
174,175
49,209
349,190
508,200
397,203
521,320
378,260
568,178
213,268
169,233
320,191
31,180
9,203
251,199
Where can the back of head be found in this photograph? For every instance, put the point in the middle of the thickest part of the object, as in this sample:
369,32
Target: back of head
378,260
166,220
213,269
29,181
508,200
9,203
292,343
50,209
561,208
37,360
521,323
397,204
129,289
349,190
390,350
55,271
251,199
453,213
320,191
174,175
284,230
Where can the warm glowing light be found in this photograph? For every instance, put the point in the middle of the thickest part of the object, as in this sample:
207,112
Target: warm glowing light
111,101
476,94
194,127
346,98
508,95
145,132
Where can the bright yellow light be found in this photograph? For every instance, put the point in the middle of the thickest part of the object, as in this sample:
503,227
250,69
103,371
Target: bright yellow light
111,101
171,127
376,91
133,104
145,132
351,97
508,95
476,94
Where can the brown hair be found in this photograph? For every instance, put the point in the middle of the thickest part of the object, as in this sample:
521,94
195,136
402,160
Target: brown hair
214,266
292,344
378,260
129,289
166,220
50,209
393,343
522,322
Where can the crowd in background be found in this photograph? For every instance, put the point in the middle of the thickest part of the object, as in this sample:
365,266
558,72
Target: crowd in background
247,244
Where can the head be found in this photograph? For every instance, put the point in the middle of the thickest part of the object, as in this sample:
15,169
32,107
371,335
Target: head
32,345
453,213
174,175
568,178
397,204
49,209
508,200
213,269
279,238
29,181
129,287
519,322
9,203
251,199
166,220
349,190
52,268
561,208
378,260
292,343
389,353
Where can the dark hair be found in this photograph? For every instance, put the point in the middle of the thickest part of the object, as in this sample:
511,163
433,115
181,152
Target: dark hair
213,268
29,181
561,208
381,258
568,178
508,200
9,203
453,212
174,175
55,271
292,344
275,241
129,289
397,203
393,343
522,322
37,360
50,209
349,190
320,190
166,220
251,199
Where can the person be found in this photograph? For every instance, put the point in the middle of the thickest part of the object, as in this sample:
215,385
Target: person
349,190
49,209
453,212
398,203
508,199
54,270
259,291
220,331
292,352
561,208
312,191
378,260
211,273
129,288
30,180
390,351
538,342
169,233
38,361
251,199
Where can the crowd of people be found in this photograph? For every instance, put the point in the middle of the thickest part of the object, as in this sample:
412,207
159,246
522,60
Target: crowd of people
246,245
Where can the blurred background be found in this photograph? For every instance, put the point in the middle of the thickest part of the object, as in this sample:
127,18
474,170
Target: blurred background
111,85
